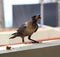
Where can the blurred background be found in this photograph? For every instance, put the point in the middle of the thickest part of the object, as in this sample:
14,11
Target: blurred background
13,14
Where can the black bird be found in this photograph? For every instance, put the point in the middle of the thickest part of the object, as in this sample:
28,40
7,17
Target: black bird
27,29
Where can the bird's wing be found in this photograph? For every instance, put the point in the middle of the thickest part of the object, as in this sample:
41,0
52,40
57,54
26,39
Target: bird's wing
22,27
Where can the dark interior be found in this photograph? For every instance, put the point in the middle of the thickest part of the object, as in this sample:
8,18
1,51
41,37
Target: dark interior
22,13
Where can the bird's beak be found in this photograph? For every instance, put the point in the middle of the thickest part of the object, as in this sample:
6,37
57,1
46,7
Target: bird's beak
38,17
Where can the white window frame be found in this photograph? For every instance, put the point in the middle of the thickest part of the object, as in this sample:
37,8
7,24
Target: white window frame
8,14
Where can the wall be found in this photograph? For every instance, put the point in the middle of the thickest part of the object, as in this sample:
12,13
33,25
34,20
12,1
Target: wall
21,13
1,14
41,52
59,14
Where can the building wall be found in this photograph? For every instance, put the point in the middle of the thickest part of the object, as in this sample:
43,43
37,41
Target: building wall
21,13
1,14
59,13
41,52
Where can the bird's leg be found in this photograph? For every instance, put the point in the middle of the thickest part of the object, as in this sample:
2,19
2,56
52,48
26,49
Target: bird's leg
33,41
23,39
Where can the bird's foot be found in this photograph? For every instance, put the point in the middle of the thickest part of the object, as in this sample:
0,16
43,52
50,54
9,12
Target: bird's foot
11,38
35,42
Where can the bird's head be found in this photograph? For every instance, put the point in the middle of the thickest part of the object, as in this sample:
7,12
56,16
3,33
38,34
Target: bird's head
36,17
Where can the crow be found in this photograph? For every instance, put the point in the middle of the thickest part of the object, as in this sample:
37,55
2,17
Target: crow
27,29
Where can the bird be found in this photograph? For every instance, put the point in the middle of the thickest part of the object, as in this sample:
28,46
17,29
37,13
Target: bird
27,29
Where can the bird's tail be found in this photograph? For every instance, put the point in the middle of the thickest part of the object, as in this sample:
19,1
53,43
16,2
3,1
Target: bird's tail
14,35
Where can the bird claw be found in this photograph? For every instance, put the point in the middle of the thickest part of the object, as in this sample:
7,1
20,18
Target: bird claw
35,42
